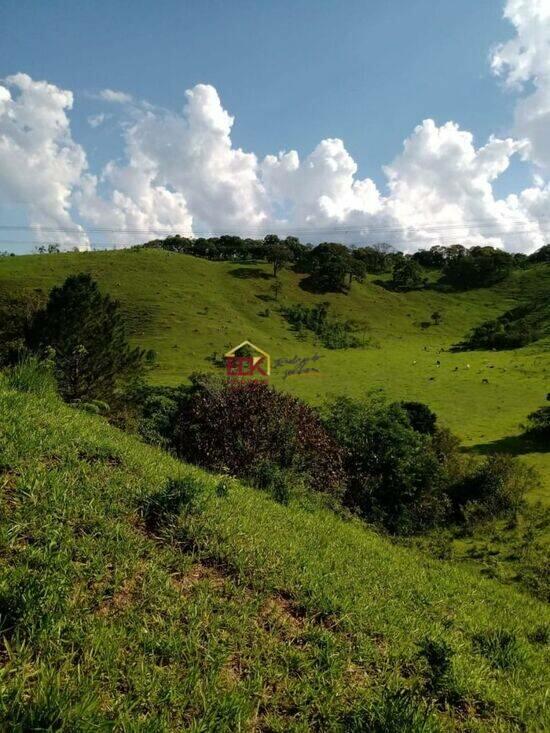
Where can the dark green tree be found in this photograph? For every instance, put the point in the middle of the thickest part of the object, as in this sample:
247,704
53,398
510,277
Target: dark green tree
86,333
407,274
279,256
333,267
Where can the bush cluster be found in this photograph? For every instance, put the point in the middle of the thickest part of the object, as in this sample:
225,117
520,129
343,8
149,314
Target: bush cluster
234,427
512,330
332,332
538,423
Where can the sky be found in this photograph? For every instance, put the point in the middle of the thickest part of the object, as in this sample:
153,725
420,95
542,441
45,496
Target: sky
413,123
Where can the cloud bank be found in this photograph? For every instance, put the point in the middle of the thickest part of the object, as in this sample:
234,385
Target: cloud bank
181,172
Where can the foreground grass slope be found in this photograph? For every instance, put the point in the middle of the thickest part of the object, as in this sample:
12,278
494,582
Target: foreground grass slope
187,309
120,611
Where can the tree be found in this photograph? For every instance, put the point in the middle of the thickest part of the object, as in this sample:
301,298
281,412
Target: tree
478,267
271,240
374,259
407,274
541,255
276,288
279,256
333,267
395,476
86,332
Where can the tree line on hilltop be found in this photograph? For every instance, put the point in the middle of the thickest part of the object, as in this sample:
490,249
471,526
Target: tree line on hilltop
333,267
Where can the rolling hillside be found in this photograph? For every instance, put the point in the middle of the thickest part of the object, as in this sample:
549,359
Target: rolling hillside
188,309
235,614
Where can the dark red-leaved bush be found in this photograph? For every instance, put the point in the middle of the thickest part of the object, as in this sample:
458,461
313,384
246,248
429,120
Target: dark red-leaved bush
235,425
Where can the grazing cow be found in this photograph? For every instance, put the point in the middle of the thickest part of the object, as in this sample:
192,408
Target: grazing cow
484,381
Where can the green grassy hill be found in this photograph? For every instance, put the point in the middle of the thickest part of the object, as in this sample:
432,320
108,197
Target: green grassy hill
237,613
187,309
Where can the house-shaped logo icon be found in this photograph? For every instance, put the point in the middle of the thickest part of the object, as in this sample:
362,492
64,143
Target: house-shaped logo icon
247,360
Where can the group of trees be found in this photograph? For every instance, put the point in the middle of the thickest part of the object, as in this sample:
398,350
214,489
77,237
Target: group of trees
391,463
333,266
512,330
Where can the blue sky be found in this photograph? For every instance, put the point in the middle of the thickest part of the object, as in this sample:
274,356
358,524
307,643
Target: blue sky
291,73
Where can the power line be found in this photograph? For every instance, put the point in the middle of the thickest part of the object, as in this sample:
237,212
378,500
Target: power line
365,228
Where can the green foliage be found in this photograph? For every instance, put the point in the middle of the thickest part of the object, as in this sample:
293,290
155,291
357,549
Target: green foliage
376,260
178,494
333,267
512,330
478,267
407,274
87,334
437,654
280,483
394,474
237,426
496,488
15,315
538,423
332,332
421,418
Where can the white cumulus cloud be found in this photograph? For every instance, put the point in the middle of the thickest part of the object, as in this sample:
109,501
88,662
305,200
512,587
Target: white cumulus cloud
40,164
524,64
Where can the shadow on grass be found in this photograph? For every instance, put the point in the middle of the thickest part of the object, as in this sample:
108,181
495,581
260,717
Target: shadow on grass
250,273
514,445
311,285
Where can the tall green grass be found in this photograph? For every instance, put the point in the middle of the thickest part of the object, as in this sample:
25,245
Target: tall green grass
138,593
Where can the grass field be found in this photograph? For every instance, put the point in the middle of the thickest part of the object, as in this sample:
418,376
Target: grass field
237,613
187,309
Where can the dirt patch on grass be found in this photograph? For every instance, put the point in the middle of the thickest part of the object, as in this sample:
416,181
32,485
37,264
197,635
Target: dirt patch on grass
214,576
8,483
281,615
123,598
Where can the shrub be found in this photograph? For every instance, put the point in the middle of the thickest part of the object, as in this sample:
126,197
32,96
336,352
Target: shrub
394,474
234,426
421,418
538,423
437,655
333,333
512,330
496,488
